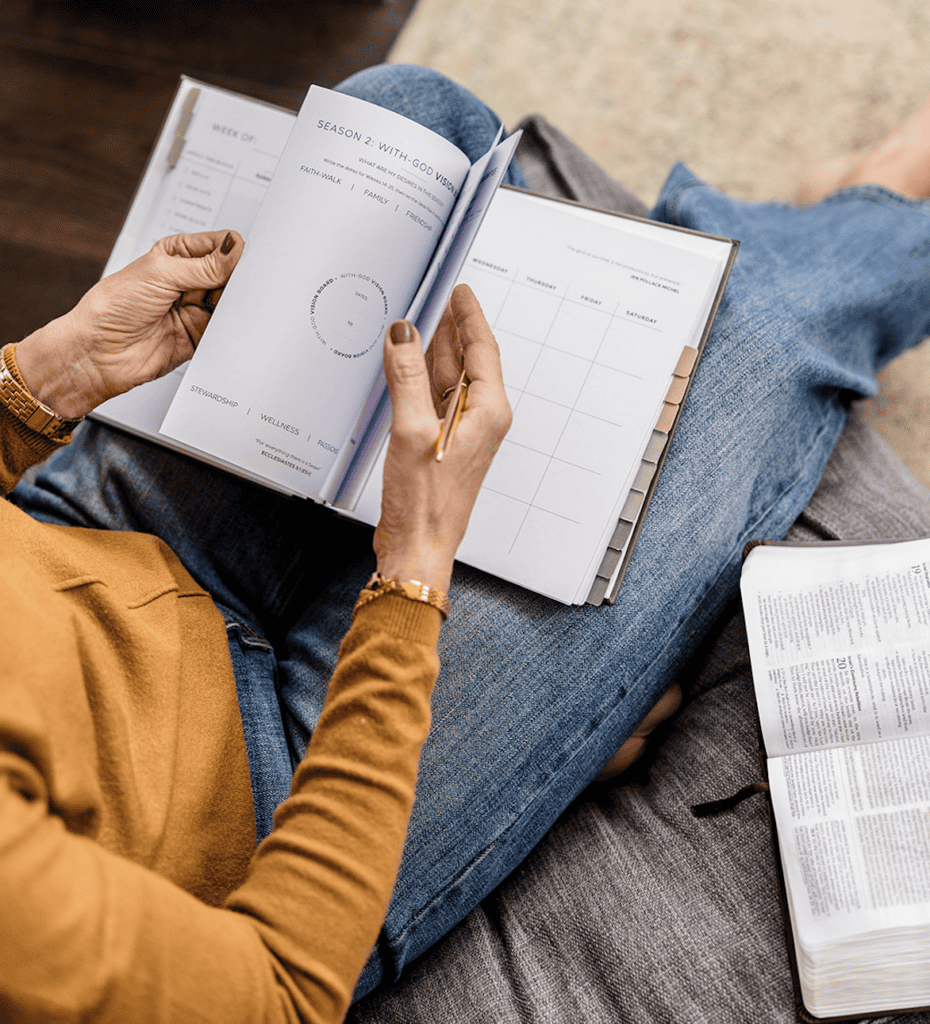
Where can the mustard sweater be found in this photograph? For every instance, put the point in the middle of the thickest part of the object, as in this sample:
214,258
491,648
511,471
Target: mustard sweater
130,886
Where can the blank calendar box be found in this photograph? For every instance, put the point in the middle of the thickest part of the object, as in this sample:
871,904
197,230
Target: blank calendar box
596,444
614,396
537,424
516,472
632,348
565,488
497,519
518,357
558,377
578,329
528,312
538,556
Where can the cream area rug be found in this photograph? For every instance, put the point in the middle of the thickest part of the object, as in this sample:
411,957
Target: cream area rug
747,92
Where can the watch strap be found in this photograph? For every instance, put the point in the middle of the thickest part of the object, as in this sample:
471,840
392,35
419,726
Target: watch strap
26,408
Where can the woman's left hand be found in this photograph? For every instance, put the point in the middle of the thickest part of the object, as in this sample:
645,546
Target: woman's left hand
425,504
131,327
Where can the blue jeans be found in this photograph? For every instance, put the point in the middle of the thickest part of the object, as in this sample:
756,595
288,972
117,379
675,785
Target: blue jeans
533,697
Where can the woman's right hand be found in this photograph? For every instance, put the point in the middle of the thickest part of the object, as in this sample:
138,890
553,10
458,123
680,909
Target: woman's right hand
425,504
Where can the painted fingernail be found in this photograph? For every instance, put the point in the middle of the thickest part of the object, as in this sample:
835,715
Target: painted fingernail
228,243
401,332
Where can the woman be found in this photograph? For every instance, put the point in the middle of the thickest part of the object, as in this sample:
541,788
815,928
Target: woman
533,699
123,761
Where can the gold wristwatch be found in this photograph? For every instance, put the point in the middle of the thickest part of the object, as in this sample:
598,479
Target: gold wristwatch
20,401
413,590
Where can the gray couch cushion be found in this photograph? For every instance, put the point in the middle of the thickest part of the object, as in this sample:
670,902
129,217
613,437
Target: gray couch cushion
631,909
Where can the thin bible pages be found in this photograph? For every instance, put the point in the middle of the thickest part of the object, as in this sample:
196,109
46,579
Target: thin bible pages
839,640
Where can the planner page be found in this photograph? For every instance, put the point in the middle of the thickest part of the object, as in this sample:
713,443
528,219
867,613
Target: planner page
591,312
349,223
210,169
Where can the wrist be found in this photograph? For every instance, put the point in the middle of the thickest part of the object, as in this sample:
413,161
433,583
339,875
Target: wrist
412,590
52,365
432,571
34,418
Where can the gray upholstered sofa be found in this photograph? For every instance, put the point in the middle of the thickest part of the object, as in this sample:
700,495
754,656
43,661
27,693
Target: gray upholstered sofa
632,909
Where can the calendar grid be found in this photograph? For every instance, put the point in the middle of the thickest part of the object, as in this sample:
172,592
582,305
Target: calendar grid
533,502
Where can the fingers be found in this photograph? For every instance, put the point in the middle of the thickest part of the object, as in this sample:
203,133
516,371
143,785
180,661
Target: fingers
408,383
194,319
635,746
464,329
200,262
463,340
479,348
211,298
463,316
199,244
446,351
482,361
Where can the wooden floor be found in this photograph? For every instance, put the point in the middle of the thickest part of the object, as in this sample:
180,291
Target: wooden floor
83,90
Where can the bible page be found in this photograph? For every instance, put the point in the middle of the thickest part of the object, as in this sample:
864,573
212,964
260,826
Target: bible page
348,225
839,640
854,837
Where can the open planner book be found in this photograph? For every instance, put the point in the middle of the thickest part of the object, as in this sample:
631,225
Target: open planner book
839,639
354,217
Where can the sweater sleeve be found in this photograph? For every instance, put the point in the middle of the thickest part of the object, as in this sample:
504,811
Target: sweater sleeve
87,934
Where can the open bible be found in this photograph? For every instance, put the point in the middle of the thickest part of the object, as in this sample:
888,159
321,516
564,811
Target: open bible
839,640
355,216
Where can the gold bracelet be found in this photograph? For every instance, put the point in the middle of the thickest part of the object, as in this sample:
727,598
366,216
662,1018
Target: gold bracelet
22,404
413,590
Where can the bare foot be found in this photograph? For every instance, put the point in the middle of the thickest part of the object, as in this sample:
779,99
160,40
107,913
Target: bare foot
901,163
665,707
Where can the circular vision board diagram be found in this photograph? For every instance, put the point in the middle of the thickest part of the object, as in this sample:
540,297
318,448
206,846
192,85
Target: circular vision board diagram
348,314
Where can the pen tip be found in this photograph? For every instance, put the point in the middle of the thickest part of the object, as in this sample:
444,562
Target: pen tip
439,456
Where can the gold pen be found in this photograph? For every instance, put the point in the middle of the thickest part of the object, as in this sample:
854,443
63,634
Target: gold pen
454,412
